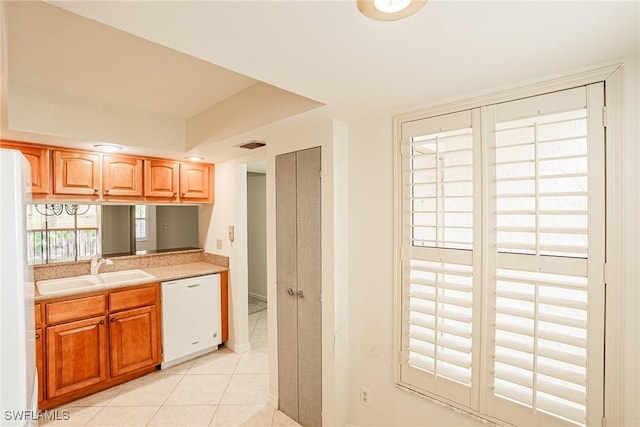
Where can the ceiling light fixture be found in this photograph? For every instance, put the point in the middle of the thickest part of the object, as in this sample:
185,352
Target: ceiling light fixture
389,10
108,148
195,158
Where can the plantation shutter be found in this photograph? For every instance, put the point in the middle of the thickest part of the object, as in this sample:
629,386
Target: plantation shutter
546,204
441,176
503,214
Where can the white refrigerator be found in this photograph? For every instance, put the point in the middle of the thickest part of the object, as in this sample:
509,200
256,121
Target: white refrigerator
18,375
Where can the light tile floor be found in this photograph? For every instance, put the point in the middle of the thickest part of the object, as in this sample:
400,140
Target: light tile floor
218,389
256,305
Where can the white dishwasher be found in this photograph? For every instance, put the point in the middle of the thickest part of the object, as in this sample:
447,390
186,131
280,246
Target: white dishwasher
191,323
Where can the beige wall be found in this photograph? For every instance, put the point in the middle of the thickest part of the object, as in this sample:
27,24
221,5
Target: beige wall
358,255
39,111
371,276
230,209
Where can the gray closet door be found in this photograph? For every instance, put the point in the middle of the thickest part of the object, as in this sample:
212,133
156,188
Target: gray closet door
299,263
287,276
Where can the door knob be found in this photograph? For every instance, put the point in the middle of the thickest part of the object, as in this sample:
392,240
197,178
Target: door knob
300,294
290,291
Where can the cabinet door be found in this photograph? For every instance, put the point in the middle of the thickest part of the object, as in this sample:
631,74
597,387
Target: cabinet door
195,182
40,363
76,173
40,166
134,340
161,179
77,355
121,176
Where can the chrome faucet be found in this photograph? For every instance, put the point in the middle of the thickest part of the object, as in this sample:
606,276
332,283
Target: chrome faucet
96,263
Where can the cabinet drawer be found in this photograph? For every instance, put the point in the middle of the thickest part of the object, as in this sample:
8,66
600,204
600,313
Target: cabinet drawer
38,315
77,308
133,298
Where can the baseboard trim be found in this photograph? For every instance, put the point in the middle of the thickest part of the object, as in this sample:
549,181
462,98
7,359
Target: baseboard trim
272,400
258,296
238,348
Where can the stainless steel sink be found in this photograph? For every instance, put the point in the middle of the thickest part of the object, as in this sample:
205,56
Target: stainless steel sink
57,286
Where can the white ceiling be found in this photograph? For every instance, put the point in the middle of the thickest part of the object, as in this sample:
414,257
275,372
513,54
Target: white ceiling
50,47
328,52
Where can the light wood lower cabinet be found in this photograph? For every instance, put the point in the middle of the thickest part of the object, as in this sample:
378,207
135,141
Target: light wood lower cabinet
77,355
133,335
40,363
94,342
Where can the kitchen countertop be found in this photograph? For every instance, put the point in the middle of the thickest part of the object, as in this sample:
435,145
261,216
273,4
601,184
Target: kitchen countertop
182,271
161,274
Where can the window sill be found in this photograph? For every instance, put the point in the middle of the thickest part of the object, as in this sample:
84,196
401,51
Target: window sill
458,410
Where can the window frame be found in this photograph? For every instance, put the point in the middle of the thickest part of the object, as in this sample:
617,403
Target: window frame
46,233
145,220
612,76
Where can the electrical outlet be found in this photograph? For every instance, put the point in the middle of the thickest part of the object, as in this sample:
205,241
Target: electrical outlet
365,396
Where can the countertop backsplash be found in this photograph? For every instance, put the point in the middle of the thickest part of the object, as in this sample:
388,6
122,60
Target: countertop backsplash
70,269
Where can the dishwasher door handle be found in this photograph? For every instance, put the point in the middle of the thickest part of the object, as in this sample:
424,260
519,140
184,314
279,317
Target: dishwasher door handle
193,286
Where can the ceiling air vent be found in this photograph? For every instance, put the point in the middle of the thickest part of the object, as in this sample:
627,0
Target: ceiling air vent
253,144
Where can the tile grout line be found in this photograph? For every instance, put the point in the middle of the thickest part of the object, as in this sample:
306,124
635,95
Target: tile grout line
182,377
101,407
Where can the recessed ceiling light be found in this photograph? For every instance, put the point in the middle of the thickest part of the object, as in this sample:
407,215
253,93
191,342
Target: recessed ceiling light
389,10
108,148
195,158
391,6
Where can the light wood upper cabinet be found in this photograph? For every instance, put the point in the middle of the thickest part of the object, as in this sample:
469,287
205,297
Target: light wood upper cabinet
76,173
196,182
68,175
161,179
39,160
121,176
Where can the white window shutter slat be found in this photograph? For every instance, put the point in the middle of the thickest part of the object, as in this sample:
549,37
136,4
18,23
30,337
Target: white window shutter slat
503,230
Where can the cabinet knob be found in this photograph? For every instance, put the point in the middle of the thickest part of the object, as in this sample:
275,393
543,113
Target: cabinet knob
113,319
290,291
106,191
300,294
95,190
184,194
175,194
37,336
102,322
